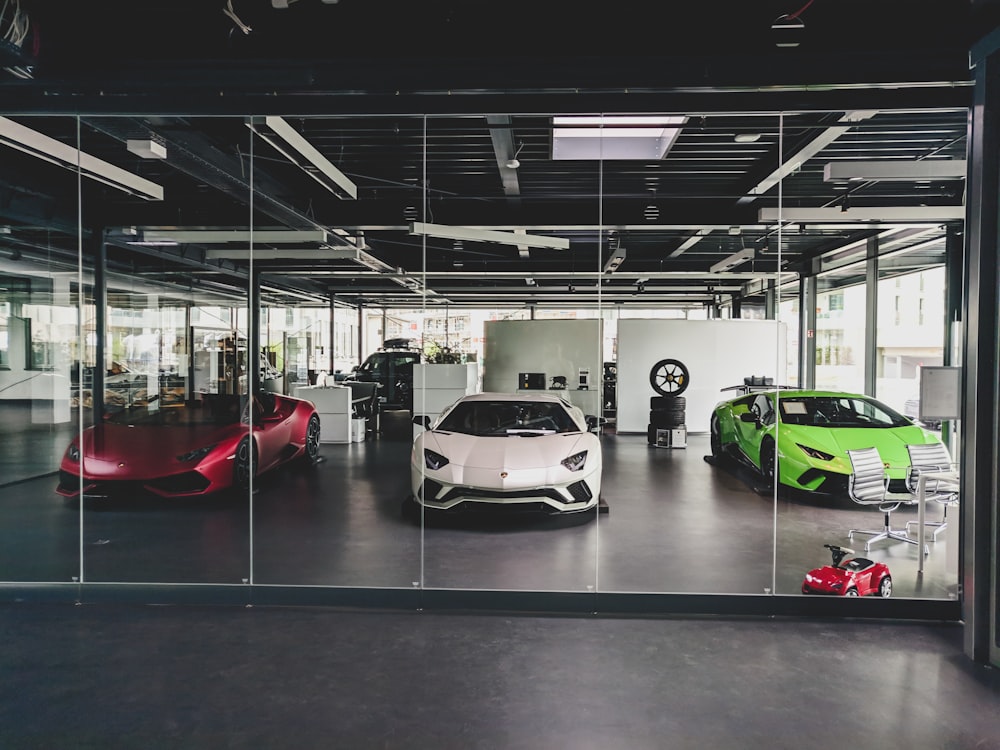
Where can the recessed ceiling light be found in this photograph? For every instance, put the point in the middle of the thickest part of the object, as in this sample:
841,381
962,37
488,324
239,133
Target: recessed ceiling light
747,137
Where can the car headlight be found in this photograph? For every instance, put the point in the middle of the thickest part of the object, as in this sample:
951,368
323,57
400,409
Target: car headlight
812,452
434,461
73,453
576,461
195,455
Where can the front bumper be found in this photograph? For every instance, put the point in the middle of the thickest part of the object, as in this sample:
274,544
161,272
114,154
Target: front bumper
572,498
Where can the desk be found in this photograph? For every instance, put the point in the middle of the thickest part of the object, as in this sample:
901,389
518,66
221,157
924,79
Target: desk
948,479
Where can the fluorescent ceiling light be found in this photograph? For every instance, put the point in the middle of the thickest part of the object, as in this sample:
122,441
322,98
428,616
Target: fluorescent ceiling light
303,154
286,253
891,214
646,138
146,148
473,234
616,259
220,236
733,260
37,144
895,171
795,161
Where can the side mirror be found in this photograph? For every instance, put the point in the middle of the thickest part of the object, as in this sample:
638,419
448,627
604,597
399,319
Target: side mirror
423,420
594,422
749,417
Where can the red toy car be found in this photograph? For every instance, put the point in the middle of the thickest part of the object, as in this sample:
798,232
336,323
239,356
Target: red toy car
856,576
189,451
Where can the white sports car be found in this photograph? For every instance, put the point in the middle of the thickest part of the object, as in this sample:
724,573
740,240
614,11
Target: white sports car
519,452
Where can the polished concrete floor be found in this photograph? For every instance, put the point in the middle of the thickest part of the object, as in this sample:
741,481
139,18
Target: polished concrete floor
676,524
119,676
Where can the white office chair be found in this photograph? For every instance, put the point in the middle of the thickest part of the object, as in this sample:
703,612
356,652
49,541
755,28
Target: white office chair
869,485
932,457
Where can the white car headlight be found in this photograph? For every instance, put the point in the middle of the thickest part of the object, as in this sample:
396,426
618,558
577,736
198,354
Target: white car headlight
434,461
575,462
73,453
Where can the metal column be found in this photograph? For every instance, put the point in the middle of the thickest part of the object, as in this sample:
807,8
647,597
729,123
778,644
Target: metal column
807,332
871,316
980,386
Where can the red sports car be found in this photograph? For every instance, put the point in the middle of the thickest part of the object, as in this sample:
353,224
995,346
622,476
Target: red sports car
191,450
856,576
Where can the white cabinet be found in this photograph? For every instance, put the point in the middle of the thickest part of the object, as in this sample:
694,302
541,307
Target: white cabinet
333,404
436,387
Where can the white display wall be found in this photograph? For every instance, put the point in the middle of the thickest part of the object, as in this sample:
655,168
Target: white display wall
552,347
717,354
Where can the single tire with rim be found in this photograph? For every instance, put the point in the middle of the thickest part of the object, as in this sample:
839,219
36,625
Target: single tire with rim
311,453
241,465
885,587
669,377
767,467
715,437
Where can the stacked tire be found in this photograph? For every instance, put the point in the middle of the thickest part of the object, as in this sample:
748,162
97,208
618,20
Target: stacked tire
669,378
665,413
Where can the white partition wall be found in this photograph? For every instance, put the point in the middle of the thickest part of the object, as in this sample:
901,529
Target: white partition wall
552,347
717,354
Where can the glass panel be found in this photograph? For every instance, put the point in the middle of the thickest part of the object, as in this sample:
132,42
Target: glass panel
164,377
334,518
693,322
40,341
910,334
848,505
508,481
840,331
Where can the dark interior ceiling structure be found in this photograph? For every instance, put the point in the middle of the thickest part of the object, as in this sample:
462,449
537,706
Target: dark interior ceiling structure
393,154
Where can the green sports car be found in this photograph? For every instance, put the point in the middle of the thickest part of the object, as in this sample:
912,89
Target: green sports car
805,436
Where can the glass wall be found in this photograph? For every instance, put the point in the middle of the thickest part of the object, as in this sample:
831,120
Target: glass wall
235,364
43,302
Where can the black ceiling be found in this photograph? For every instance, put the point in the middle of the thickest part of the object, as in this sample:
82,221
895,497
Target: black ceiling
336,68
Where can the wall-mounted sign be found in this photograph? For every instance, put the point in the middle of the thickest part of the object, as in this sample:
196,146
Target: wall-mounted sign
940,392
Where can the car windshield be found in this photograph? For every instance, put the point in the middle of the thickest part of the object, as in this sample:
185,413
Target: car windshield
503,418
838,411
211,409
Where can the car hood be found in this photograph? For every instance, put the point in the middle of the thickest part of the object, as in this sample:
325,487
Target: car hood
489,452
149,447
891,441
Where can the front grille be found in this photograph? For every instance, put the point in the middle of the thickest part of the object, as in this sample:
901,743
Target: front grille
430,490
475,492
580,491
832,484
69,482
180,484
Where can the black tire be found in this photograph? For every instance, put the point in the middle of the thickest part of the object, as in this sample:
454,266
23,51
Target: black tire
715,437
851,592
767,463
311,453
885,587
241,466
669,377
666,420
651,435
667,402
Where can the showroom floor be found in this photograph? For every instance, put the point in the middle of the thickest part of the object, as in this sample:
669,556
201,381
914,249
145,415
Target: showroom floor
675,524
126,676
